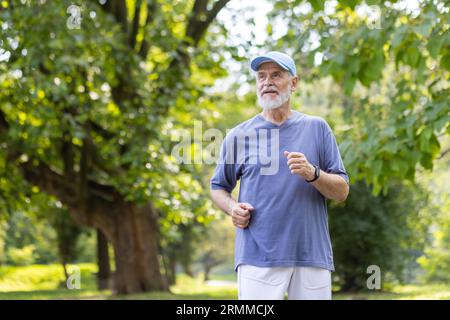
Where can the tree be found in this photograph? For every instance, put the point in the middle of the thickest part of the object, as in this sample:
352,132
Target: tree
217,246
104,269
28,237
394,79
394,88
389,231
67,233
436,257
81,112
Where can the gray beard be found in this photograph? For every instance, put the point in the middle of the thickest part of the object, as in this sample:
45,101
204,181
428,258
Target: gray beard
270,104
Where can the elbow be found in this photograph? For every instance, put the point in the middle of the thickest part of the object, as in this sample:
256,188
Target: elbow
344,194
212,192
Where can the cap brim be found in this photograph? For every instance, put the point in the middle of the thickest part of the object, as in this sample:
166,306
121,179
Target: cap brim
256,62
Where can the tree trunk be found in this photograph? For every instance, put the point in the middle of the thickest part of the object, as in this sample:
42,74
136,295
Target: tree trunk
134,238
66,274
187,270
169,270
350,284
207,272
173,271
104,270
132,231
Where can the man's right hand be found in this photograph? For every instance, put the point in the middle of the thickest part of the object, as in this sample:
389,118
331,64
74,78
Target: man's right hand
240,214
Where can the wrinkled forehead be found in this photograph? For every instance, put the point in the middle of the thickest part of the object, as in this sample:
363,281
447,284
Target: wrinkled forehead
269,67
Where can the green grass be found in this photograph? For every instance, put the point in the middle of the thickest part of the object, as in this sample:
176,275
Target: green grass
403,292
47,282
192,288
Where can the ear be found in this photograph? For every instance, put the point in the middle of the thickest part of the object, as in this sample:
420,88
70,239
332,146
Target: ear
294,82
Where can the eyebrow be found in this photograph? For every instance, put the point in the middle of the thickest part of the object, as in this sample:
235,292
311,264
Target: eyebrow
274,72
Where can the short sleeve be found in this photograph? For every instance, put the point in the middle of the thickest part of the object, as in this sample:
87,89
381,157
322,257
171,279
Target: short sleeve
330,157
227,171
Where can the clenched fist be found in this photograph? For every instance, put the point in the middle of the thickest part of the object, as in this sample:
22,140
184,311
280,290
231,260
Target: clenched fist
298,164
240,214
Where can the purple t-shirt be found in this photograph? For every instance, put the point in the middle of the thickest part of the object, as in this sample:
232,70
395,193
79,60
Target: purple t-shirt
289,223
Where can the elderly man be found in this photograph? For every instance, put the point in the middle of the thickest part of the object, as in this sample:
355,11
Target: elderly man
282,238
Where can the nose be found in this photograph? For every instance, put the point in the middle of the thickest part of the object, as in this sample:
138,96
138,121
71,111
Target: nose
267,82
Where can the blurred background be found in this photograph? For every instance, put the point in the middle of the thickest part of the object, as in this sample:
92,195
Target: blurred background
95,96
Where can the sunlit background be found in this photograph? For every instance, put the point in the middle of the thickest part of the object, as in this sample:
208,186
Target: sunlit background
95,96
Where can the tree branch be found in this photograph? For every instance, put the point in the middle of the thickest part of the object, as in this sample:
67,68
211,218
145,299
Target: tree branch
50,181
97,160
135,24
442,155
4,125
100,130
199,21
118,8
67,154
152,8
201,18
98,196
83,174
212,14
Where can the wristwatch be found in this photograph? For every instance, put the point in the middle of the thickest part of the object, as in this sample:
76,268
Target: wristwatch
316,174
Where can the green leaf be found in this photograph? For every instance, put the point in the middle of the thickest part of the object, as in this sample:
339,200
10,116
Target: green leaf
445,61
411,56
426,160
434,45
391,147
317,5
424,139
377,166
349,84
349,3
373,69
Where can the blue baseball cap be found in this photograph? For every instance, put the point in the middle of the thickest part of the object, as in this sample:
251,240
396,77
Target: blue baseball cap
283,60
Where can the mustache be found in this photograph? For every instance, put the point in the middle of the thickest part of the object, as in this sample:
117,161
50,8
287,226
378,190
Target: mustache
270,89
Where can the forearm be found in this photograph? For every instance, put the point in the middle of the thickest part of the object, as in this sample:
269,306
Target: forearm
223,200
332,186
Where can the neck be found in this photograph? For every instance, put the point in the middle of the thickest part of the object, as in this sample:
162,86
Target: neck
278,115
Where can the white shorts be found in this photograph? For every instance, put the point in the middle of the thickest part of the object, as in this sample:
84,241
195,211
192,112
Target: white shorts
271,283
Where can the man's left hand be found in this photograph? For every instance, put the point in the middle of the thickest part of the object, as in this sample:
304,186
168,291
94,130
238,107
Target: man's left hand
299,165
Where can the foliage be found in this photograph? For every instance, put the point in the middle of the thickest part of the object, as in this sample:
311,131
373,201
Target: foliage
40,282
21,256
436,258
394,76
25,230
389,231
43,277
217,245
65,93
98,105
2,242
46,226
